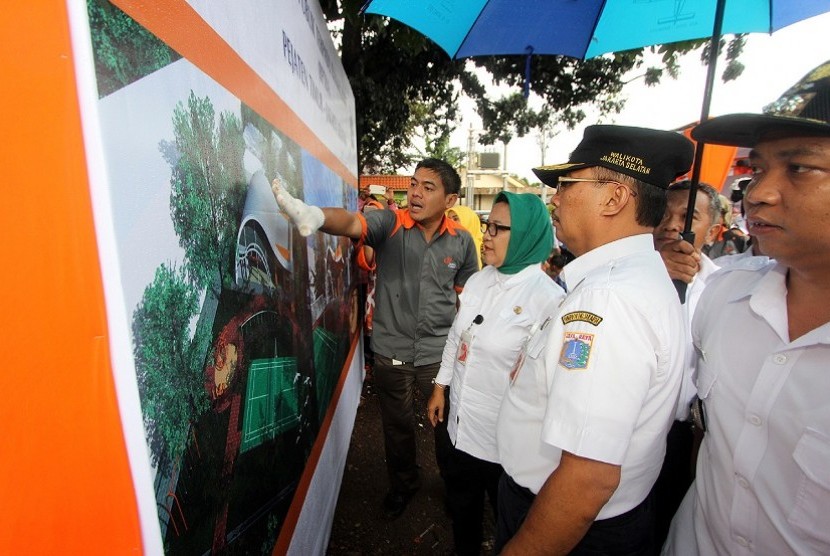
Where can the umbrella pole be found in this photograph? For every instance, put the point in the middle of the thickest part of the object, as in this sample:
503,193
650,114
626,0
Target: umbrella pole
714,44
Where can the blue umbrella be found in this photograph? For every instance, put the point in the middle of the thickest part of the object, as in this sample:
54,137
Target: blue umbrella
583,28
586,28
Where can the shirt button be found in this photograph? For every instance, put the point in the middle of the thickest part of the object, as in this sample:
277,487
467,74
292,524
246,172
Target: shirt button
779,358
743,483
755,420
742,541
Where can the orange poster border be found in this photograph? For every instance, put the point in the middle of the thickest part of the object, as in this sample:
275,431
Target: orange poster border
293,515
182,28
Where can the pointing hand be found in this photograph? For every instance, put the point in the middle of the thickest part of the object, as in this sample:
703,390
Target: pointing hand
307,218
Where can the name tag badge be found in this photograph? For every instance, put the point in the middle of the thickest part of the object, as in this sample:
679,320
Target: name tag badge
517,366
520,360
463,351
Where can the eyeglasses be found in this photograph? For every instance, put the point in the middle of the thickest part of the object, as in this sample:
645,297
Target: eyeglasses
563,181
492,228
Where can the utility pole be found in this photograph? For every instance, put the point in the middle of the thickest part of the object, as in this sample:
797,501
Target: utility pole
504,169
542,139
545,133
471,165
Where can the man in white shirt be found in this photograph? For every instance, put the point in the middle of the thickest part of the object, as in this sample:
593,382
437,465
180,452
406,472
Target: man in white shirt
684,261
582,429
763,479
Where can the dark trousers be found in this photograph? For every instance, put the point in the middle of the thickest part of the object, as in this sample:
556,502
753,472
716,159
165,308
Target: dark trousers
468,479
675,477
396,386
628,534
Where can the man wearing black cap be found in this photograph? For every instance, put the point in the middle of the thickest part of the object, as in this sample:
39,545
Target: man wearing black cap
582,430
763,476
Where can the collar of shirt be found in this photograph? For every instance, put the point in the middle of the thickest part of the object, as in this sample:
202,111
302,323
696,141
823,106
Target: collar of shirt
768,300
447,225
578,268
508,281
770,281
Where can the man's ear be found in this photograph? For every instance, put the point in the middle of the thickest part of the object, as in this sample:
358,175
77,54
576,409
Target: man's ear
616,200
450,200
712,233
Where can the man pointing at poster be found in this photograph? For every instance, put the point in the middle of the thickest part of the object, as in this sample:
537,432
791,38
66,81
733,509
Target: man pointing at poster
423,261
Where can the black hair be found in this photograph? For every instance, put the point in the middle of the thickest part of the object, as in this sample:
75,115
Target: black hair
567,254
449,177
650,201
558,260
713,205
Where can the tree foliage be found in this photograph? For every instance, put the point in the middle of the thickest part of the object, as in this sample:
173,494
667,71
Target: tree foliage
124,51
207,190
434,136
395,71
168,364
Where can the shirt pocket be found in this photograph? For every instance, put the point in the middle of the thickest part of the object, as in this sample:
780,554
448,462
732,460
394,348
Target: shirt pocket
537,343
517,325
468,310
812,502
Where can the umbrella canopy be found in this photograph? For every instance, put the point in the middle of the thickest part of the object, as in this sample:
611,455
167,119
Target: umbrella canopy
583,28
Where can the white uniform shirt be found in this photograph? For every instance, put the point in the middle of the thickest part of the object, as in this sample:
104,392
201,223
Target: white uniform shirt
687,387
604,384
512,308
763,473
739,258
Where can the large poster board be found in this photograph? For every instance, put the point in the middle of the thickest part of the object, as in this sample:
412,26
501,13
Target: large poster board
234,337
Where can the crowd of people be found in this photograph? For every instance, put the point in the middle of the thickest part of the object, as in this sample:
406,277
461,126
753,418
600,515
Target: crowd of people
571,387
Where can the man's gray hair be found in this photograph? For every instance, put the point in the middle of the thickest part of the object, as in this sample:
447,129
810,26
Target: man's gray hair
713,206
650,201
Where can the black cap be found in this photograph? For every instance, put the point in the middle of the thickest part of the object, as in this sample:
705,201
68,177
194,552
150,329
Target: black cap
803,110
649,155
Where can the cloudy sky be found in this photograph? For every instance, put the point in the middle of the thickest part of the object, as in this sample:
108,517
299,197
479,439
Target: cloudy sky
773,64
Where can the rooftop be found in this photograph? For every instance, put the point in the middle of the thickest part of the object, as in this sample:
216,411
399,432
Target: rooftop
395,183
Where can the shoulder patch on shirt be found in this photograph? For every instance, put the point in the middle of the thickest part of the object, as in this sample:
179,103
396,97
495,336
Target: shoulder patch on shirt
583,316
576,350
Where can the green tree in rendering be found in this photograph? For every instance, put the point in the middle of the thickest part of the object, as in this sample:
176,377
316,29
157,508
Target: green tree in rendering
207,190
168,367
124,51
